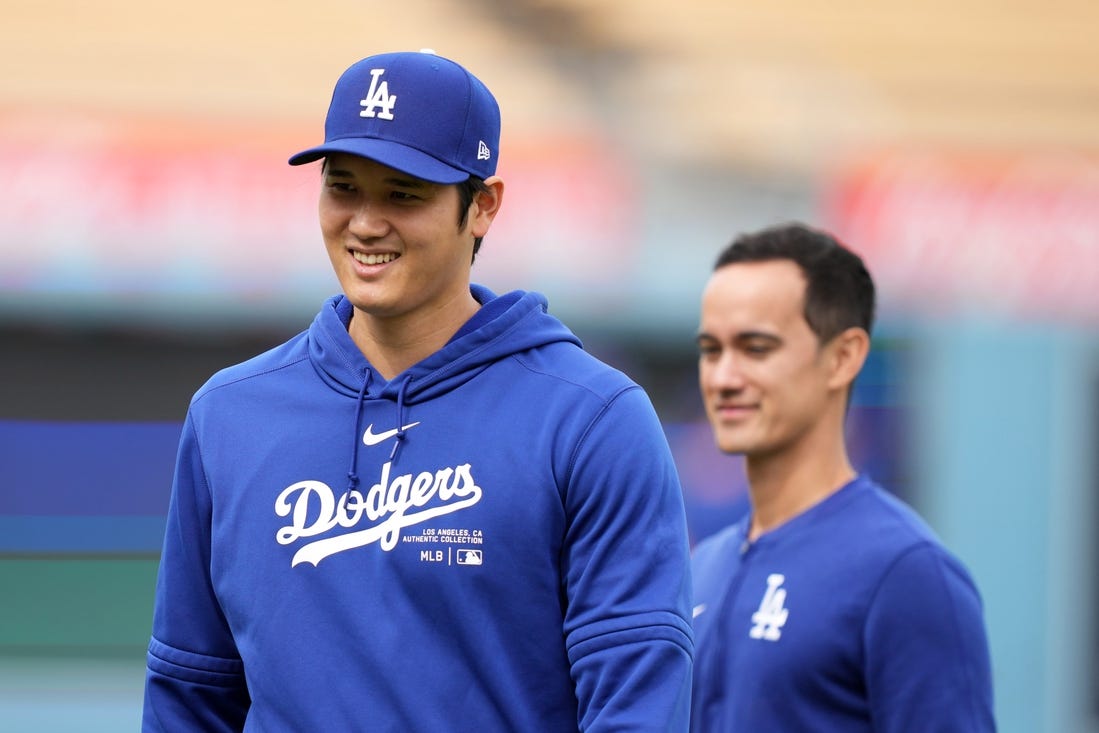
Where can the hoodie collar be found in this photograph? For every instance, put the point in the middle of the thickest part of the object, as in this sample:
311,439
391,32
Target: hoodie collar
504,325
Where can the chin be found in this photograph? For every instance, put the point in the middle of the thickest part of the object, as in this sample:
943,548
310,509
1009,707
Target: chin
368,299
732,445
745,440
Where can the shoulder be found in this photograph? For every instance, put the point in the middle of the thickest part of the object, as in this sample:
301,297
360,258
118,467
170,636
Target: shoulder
517,331
570,365
270,363
911,557
876,537
884,521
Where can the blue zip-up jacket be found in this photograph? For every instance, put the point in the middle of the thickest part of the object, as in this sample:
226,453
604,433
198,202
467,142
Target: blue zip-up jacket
492,541
849,618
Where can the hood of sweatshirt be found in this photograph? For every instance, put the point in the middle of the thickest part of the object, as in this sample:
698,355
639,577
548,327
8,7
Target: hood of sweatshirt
505,325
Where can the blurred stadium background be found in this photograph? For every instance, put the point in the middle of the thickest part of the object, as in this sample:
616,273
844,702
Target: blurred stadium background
151,232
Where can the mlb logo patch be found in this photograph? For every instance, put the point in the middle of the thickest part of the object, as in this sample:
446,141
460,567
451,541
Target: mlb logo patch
468,557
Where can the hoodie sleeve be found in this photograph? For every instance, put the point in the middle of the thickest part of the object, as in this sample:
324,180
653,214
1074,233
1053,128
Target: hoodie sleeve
626,573
195,677
927,658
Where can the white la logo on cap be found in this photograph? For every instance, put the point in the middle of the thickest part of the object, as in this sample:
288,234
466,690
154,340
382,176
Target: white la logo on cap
378,96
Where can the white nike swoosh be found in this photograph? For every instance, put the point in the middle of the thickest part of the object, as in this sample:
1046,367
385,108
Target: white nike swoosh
698,610
372,438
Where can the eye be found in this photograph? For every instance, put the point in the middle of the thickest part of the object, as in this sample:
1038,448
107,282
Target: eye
403,196
708,349
758,348
340,186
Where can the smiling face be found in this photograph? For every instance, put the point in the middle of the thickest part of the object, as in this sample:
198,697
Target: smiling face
766,381
394,240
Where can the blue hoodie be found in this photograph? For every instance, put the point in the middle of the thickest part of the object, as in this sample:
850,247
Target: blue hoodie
492,541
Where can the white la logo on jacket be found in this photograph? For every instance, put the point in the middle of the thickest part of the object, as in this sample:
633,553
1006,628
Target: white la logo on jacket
378,96
314,509
772,613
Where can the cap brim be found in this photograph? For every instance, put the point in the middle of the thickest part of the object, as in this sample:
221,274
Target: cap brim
399,157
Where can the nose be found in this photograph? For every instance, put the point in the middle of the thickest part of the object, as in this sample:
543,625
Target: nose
367,221
724,373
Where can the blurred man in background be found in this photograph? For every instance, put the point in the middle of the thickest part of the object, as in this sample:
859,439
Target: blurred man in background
432,510
831,606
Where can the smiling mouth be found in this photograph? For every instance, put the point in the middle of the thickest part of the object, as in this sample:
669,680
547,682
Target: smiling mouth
369,258
734,409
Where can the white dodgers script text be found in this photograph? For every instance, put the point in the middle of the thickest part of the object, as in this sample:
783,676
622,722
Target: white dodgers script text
313,509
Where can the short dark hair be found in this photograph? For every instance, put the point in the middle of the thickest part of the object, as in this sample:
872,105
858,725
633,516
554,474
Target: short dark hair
467,190
839,292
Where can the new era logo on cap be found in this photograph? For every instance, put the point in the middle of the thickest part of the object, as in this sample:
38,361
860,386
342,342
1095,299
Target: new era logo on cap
416,112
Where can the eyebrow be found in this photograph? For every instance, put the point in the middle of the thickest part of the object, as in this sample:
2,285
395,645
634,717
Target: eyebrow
746,335
391,180
741,336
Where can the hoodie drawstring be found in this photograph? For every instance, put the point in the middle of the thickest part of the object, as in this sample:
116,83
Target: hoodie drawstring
352,471
400,417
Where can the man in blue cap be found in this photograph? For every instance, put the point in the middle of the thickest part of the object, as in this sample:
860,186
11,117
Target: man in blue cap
432,510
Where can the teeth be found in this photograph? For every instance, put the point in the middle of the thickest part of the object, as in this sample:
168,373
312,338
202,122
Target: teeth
373,259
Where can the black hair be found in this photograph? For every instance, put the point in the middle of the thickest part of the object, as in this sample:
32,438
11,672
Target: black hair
839,292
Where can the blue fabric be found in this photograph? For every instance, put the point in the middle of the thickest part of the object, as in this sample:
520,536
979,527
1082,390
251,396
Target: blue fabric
520,564
873,626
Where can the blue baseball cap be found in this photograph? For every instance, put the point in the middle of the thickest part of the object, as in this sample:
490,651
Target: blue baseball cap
416,112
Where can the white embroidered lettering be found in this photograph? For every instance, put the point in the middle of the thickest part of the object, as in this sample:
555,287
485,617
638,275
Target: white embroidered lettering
378,96
772,614
350,509
314,509
301,526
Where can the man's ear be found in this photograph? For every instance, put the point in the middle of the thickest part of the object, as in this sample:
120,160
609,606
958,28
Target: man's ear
847,353
486,204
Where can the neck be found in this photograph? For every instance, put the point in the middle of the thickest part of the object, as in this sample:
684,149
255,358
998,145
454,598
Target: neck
784,484
393,344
